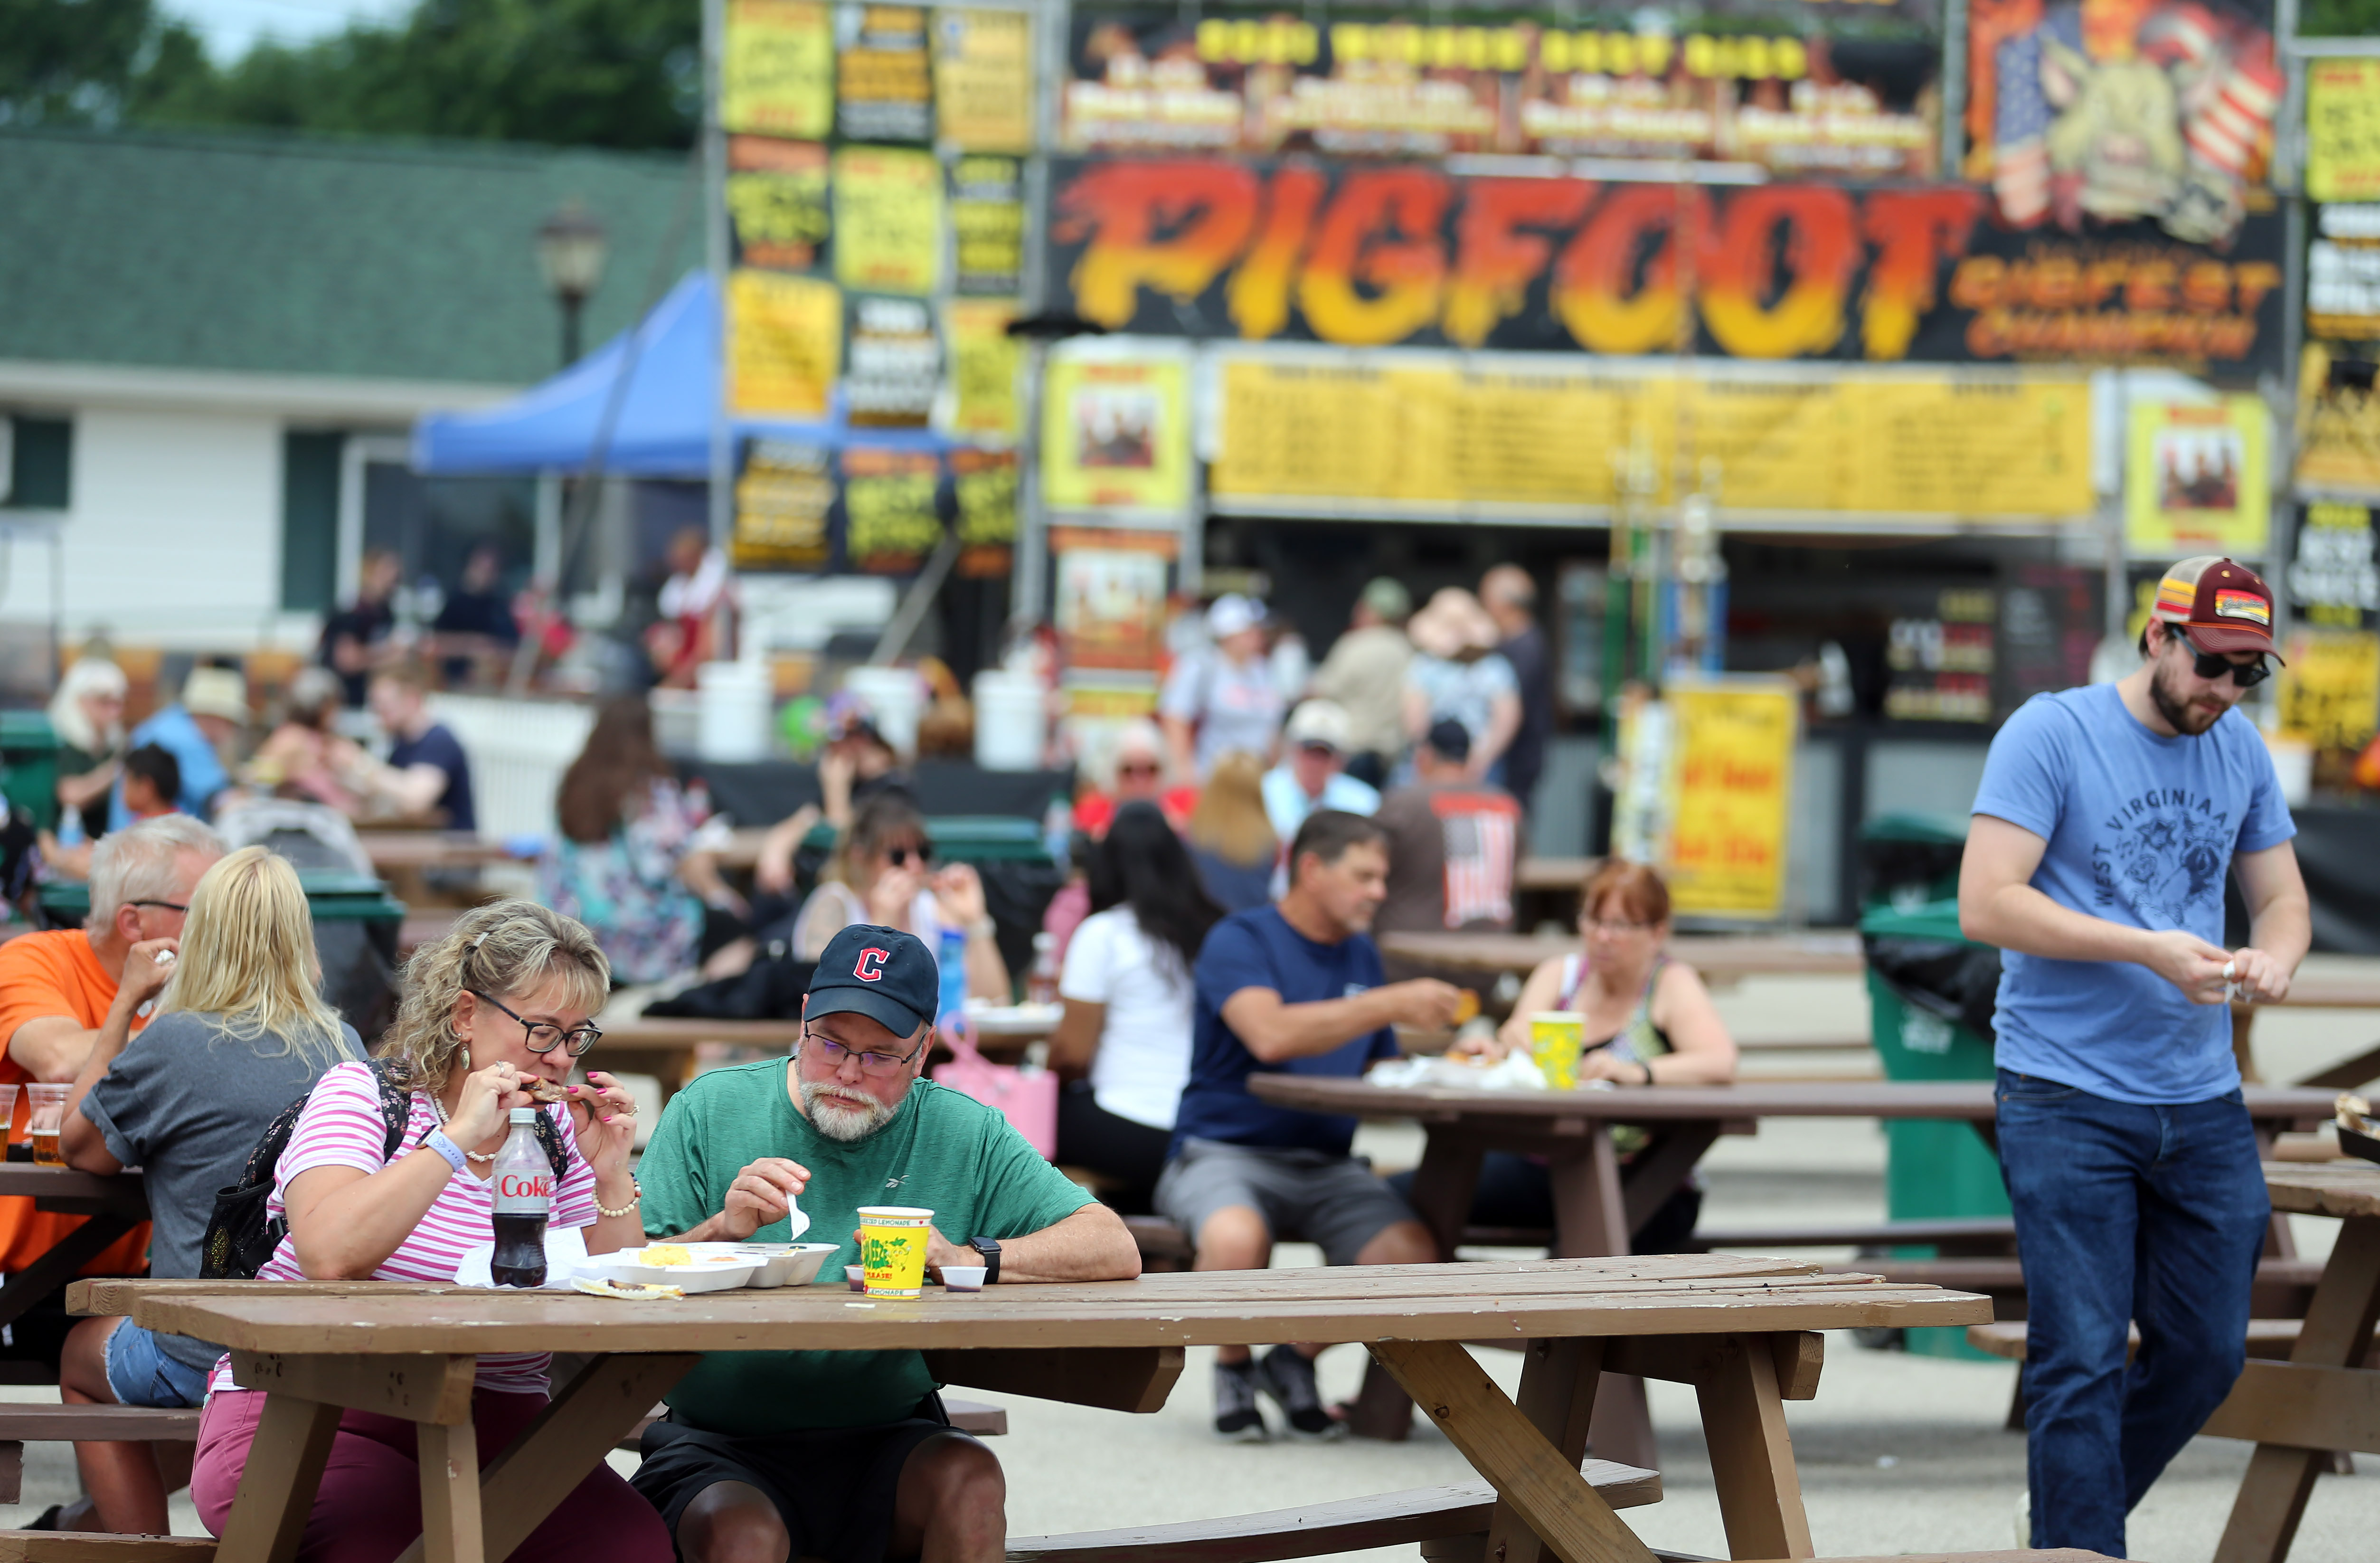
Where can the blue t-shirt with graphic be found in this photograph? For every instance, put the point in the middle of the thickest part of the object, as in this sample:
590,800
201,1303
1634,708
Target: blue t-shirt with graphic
2142,830
1257,948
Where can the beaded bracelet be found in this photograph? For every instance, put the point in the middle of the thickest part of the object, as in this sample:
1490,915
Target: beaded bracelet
636,1197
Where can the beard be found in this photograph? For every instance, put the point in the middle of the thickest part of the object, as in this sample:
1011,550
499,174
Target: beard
836,1121
2184,717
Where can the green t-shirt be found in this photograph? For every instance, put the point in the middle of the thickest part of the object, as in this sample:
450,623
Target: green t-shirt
947,1152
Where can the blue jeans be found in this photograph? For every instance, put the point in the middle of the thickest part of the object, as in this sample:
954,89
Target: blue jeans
141,1374
2148,1215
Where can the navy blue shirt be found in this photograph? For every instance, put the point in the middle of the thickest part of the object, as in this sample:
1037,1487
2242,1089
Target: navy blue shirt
1259,950
440,747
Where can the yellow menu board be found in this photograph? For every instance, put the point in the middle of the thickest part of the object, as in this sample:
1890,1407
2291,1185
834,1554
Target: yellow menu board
888,220
983,80
1440,436
984,361
1116,433
1732,791
776,72
784,336
2330,691
2343,129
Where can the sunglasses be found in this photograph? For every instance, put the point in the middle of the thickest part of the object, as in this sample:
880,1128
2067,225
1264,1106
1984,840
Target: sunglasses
2214,665
169,906
1140,768
899,856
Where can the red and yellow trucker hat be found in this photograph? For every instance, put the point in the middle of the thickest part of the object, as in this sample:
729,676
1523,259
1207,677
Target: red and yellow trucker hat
2221,606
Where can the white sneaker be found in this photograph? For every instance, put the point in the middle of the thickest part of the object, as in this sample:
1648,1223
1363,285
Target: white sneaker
2025,1520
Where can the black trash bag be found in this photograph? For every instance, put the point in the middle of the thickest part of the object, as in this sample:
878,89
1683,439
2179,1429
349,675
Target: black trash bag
1947,977
769,989
1017,893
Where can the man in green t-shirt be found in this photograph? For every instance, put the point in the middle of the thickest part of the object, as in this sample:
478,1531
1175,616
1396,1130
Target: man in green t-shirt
846,1455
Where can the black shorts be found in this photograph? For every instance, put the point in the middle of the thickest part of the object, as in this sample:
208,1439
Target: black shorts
833,1486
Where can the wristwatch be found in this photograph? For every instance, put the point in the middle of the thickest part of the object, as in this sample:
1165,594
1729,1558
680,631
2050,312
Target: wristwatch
989,1249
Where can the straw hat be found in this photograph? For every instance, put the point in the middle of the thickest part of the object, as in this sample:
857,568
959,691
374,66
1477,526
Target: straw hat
1453,627
216,692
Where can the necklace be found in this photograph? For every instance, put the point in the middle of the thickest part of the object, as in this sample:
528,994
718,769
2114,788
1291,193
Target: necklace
439,1108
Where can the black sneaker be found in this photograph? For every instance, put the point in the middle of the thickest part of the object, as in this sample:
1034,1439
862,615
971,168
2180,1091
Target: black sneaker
1237,1416
1287,1374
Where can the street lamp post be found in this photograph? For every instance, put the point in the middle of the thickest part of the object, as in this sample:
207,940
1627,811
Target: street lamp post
571,247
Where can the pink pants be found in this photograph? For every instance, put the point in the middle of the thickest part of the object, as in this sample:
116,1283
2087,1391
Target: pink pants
369,1506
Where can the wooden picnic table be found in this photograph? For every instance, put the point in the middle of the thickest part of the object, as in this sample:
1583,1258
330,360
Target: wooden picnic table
1740,1330
1718,957
114,1204
1595,1207
2327,1395
417,849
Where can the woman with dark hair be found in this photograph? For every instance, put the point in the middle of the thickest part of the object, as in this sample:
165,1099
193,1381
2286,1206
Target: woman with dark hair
634,863
1128,992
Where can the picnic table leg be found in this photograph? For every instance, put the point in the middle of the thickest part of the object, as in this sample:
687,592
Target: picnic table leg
276,1489
1442,1188
1544,1489
2337,1334
1752,1456
1591,1222
449,1456
1558,1385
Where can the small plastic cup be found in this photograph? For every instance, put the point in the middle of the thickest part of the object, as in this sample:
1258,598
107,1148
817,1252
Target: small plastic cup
963,1277
7,1112
856,1275
48,1119
892,1240
1557,1037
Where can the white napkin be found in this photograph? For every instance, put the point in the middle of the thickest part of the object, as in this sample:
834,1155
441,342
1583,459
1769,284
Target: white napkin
566,1251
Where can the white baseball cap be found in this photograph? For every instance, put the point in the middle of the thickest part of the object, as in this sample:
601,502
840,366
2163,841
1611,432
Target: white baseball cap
1320,721
1233,612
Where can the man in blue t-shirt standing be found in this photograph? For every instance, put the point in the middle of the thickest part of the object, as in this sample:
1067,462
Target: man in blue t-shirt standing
2106,822
1296,988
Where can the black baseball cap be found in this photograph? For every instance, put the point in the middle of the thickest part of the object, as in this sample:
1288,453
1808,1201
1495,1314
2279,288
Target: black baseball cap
882,973
1450,739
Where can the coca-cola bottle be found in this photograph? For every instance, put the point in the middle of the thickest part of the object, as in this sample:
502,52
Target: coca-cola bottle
522,1194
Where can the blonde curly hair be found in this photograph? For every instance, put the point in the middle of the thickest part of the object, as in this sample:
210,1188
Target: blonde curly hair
504,950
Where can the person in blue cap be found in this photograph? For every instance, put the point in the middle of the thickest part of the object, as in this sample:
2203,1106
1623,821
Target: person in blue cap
847,1455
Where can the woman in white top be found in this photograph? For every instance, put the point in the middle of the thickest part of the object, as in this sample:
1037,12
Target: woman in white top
883,874
1128,991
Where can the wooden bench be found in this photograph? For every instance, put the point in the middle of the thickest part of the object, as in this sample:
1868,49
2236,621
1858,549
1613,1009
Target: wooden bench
2281,1290
2270,1338
1423,1515
967,1416
23,1424
1164,1248
80,1546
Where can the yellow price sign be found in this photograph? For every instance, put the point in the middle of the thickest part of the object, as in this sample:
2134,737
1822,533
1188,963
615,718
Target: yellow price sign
2343,129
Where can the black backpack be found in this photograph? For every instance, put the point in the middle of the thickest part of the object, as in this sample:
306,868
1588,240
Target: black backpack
241,1236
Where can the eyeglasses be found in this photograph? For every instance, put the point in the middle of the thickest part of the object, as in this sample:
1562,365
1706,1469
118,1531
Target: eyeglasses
2214,665
1613,925
544,1036
899,856
833,1053
1140,768
169,906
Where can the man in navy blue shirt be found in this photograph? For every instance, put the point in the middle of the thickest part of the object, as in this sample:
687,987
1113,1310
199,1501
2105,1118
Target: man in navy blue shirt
2106,822
1295,988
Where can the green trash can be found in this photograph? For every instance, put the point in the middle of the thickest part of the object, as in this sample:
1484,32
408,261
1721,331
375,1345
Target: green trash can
29,764
1934,1169
1907,859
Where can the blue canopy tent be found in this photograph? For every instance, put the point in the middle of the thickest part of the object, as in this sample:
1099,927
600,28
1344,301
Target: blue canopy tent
662,426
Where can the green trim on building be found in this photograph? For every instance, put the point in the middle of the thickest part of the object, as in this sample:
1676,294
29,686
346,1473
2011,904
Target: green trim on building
316,256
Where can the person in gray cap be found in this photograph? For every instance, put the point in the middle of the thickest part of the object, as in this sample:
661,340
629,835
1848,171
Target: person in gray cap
1365,674
848,1455
1223,698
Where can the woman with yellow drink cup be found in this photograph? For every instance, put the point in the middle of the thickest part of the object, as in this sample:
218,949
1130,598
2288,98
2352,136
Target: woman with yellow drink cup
1620,1011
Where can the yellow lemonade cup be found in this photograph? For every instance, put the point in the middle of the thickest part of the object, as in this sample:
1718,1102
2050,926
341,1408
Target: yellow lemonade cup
1557,1037
892,1248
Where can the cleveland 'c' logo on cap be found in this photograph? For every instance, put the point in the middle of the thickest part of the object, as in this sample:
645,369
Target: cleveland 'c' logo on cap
871,964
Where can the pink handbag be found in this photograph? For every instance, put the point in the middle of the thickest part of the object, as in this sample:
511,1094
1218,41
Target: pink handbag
1028,1100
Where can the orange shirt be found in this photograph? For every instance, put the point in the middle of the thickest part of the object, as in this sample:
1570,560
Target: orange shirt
44,975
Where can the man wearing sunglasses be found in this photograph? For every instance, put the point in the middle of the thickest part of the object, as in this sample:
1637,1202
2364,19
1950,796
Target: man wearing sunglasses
2107,820
847,1456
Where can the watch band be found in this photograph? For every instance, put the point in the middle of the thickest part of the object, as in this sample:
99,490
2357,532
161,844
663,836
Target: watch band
989,1249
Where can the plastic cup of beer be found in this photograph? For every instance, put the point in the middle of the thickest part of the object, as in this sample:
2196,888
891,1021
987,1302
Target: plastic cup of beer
1557,1037
892,1240
7,1112
48,1120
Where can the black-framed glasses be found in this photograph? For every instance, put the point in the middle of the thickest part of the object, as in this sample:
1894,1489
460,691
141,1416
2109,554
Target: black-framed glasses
169,906
2214,665
899,856
870,1063
544,1036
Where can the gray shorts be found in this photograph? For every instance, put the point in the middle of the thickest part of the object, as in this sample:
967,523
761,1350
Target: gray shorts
1335,1202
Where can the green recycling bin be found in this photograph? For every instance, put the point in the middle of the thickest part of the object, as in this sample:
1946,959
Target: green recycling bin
1907,859
1934,1169
29,764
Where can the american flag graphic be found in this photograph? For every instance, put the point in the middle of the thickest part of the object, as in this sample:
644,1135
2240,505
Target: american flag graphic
2020,131
1483,837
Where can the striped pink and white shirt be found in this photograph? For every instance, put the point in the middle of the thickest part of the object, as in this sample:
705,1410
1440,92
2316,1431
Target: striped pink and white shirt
342,1126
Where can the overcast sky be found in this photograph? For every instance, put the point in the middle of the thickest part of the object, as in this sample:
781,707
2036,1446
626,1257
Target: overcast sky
231,26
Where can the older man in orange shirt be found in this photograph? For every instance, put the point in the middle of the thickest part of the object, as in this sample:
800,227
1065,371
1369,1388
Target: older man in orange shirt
59,992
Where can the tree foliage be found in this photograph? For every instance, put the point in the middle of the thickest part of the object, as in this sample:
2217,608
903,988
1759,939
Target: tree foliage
89,62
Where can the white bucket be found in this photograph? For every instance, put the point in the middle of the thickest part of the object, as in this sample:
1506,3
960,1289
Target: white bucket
895,696
734,698
1008,720
2292,768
